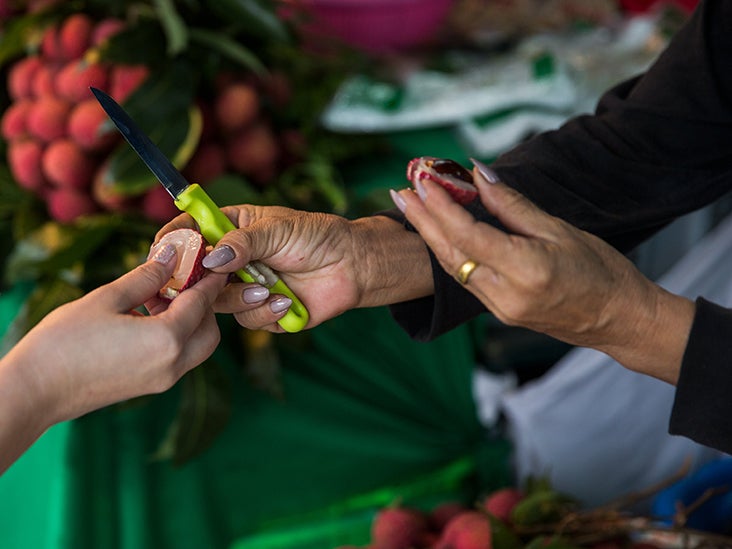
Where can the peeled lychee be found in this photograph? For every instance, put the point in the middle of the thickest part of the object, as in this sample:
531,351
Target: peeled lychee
468,530
20,77
24,159
76,77
74,35
191,249
65,164
236,106
47,118
500,503
454,178
158,205
66,205
13,124
398,528
125,79
87,126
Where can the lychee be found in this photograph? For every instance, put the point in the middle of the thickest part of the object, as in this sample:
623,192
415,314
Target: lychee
66,205
125,79
75,78
47,118
206,164
398,528
158,205
87,126
50,44
65,164
254,152
20,76
500,503
24,160
468,530
44,80
443,513
236,106
191,249
13,124
105,29
74,35
453,177
106,194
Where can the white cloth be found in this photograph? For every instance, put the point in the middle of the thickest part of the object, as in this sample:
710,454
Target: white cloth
598,430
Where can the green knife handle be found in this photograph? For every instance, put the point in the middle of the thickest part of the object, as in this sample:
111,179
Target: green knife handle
214,225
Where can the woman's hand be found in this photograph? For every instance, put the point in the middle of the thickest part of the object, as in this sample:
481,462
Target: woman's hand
548,276
332,264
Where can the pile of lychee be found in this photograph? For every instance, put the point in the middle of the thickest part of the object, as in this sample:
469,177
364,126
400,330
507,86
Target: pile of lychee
503,519
58,137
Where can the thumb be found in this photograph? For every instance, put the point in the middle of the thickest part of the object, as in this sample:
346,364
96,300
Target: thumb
142,283
516,212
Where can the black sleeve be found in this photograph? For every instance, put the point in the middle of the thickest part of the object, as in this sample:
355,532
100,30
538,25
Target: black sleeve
703,403
657,147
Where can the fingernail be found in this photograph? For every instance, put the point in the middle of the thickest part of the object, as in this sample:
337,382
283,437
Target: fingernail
488,174
164,254
398,200
280,304
421,191
218,257
255,294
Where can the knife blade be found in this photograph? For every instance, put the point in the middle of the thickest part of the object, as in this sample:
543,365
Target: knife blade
191,198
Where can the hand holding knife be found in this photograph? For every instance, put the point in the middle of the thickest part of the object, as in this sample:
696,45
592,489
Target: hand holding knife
191,198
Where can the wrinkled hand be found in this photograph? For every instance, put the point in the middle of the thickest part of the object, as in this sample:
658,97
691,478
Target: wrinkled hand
93,352
548,276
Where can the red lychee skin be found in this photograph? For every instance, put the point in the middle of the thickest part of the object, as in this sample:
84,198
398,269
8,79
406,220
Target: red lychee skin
206,164
67,205
13,124
20,77
50,44
461,191
75,78
85,124
74,35
191,249
444,513
468,530
254,152
66,165
398,528
24,159
125,79
500,503
47,118
105,29
158,205
236,106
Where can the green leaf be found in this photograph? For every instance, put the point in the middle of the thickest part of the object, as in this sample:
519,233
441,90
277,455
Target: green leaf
204,411
229,48
174,26
45,298
259,18
231,189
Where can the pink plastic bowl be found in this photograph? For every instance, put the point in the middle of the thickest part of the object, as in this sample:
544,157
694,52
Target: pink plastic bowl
378,26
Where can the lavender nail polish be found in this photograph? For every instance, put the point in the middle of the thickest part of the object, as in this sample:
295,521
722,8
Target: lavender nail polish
280,304
488,174
218,257
255,294
398,200
164,254
421,191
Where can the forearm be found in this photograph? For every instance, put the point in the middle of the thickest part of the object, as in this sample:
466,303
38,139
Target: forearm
396,260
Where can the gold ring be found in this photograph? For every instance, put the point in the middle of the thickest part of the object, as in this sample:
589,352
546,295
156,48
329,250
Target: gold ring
465,270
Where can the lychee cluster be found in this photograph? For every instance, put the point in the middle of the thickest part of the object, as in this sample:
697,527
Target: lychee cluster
53,125
506,518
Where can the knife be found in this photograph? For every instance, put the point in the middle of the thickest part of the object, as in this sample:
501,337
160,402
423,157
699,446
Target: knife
191,198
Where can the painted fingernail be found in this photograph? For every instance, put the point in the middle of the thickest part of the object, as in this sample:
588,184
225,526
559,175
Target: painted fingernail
421,191
398,200
218,257
280,304
164,254
255,294
488,174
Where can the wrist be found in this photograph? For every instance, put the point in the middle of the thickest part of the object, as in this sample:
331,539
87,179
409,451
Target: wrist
393,263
